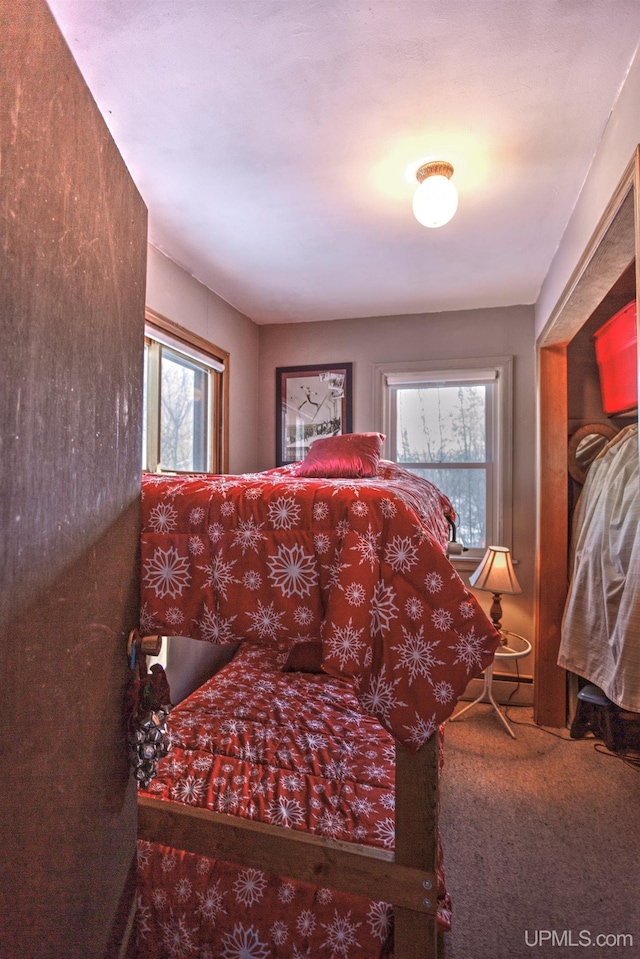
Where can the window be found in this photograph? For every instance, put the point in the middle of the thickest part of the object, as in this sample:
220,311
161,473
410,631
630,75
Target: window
452,426
185,389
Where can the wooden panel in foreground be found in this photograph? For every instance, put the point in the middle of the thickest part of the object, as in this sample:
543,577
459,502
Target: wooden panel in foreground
415,934
360,870
72,275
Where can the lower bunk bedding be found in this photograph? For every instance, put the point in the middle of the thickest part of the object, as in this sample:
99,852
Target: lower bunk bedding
270,738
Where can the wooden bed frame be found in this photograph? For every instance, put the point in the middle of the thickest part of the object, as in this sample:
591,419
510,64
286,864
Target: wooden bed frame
406,878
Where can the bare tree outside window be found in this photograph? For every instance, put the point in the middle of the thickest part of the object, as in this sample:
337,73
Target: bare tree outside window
183,434
185,426
445,428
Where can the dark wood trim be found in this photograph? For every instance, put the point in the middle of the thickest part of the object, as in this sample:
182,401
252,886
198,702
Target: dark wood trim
416,845
224,422
550,704
182,333
120,939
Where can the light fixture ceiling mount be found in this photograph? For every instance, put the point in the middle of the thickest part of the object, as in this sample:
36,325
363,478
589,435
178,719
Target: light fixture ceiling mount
434,168
436,199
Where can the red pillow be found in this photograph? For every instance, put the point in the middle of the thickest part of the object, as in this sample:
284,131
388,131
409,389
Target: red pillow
349,455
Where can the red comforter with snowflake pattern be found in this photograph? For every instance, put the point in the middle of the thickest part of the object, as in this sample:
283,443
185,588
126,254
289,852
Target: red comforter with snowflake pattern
287,748
358,564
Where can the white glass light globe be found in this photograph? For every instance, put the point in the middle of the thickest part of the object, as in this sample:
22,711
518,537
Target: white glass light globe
435,201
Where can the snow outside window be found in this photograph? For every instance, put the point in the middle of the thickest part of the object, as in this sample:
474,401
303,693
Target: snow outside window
452,425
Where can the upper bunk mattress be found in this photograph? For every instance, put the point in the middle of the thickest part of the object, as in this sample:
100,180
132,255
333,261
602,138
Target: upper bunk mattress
358,564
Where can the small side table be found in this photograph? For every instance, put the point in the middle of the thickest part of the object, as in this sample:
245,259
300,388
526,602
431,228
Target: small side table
513,647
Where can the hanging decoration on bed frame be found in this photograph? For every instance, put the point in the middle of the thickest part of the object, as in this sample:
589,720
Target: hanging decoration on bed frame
148,703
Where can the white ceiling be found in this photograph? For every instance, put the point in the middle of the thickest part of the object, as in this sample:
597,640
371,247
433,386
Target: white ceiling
269,139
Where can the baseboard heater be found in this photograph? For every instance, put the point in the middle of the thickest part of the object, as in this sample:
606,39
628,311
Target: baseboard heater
506,688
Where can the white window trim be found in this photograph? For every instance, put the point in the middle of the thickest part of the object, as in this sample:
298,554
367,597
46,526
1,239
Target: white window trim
392,374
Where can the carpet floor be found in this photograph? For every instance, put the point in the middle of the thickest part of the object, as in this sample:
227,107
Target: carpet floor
541,839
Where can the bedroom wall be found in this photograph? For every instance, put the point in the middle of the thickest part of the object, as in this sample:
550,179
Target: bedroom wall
175,294
368,341
619,140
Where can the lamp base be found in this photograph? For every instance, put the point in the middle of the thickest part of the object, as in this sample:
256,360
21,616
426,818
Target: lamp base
486,696
496,615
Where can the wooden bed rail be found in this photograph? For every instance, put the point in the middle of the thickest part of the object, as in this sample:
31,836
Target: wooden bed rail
416,843
360,870
406,879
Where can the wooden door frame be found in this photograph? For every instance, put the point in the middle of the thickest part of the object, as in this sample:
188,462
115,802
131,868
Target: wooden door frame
608,254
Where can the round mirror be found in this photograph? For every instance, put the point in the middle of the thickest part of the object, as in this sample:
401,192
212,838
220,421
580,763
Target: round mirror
585,445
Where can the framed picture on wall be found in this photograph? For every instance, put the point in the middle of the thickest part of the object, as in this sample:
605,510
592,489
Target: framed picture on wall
311,401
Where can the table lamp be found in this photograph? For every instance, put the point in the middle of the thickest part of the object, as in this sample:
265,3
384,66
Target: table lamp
496,575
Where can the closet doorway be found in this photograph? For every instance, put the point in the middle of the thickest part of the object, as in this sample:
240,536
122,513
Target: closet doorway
603,281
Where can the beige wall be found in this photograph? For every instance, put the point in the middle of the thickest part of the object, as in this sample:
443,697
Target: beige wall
175,294
446,336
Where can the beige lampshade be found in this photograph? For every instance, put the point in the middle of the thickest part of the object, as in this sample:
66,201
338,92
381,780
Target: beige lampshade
496,573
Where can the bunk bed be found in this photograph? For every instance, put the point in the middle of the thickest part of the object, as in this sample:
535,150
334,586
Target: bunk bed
349,621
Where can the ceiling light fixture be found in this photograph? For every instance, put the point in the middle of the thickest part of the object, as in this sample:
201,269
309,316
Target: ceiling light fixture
436,198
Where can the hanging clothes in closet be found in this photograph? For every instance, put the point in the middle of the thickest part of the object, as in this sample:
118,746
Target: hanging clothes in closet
600,638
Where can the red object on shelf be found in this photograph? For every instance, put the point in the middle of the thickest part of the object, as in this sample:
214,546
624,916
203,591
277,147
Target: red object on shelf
616,353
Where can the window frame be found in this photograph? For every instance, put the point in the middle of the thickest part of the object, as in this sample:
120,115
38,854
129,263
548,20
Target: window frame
499,369
159,329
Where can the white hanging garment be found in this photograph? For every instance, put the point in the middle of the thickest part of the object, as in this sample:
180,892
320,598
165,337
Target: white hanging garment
601,625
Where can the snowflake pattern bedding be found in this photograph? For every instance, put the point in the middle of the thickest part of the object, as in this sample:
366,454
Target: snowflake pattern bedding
290,749
359,564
